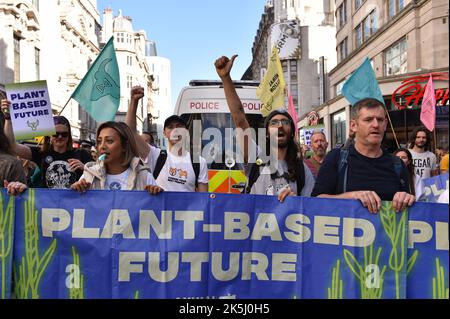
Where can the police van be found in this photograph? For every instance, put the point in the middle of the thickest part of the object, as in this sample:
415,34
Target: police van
203,106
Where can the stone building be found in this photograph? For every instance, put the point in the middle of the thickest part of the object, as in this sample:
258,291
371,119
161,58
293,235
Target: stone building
406,41
304,33
52,41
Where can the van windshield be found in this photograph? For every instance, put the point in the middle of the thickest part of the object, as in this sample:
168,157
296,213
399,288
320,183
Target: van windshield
217,131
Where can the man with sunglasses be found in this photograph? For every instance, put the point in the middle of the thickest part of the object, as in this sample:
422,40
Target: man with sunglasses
284,174
60,164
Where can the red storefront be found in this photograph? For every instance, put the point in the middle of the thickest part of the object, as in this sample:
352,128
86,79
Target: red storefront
405,103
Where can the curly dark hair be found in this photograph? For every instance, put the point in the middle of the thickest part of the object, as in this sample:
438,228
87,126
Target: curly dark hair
293,154
412,139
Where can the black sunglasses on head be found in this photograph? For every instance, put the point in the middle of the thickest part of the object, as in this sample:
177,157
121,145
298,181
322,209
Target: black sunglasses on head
62,134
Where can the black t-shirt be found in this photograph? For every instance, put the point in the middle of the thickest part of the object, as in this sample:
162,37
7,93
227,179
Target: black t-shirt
56,172
364,174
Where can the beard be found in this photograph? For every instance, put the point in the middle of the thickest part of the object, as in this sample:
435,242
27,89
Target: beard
283,144
320,152
420,145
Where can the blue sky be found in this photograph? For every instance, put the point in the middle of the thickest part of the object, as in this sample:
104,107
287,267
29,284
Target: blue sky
192,34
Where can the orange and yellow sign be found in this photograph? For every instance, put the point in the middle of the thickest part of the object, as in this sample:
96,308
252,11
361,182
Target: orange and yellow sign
226,181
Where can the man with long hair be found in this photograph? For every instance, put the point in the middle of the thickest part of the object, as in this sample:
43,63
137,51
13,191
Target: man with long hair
424,161
286,176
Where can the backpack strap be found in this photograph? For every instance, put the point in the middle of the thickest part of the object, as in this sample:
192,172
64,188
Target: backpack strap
397,165
398,171
300,176
196,168
255,171
252,177
343,168
160,163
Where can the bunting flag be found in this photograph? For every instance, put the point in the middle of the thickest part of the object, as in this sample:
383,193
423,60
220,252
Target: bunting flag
99,91
362,84
428,110
271,89
293,113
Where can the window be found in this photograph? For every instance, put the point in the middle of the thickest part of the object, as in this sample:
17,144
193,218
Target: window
395,59
358,3
120,37
338,128
342,50
394,7
339,87
37,62
358,35
16,59
129,81
342,14
36,4
366,28
373,21
130,60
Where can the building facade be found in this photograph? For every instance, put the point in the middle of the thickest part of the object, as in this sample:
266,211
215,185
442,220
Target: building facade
304,33
56,42
406,41
159,97
130,46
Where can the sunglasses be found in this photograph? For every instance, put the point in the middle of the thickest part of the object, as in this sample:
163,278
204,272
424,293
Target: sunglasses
62,134
284,122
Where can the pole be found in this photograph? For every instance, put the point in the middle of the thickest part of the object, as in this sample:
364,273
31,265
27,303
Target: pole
392,127
59,113
435,139
65,106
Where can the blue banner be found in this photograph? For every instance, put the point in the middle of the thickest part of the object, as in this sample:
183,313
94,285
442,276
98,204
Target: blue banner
123,244
433,187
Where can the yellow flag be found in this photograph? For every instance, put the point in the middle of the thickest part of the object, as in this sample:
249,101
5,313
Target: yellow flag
271,88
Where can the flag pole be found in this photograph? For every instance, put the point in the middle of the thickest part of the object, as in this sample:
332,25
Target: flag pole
392,126
435,140
59,113
65,105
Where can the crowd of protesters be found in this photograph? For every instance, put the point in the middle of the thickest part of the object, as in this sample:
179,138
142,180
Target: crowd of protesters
122,159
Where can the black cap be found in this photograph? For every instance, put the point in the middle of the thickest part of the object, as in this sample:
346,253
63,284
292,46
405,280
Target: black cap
281,112
86,143
174,119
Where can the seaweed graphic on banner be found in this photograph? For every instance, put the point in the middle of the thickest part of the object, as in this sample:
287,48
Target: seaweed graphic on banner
439,289
337,285
397,236
6,239
29,272
76,284
371,286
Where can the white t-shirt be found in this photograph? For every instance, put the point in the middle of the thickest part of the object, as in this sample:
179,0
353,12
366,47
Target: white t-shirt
177,174
274,184
424,163
119,182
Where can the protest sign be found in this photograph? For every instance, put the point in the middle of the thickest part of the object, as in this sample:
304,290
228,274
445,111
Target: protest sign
307,131
199,245
432,188
31,112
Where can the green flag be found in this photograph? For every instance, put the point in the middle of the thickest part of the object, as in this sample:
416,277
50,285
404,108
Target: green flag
99,91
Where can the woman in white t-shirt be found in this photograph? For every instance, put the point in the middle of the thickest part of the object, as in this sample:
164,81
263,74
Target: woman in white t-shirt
118,166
